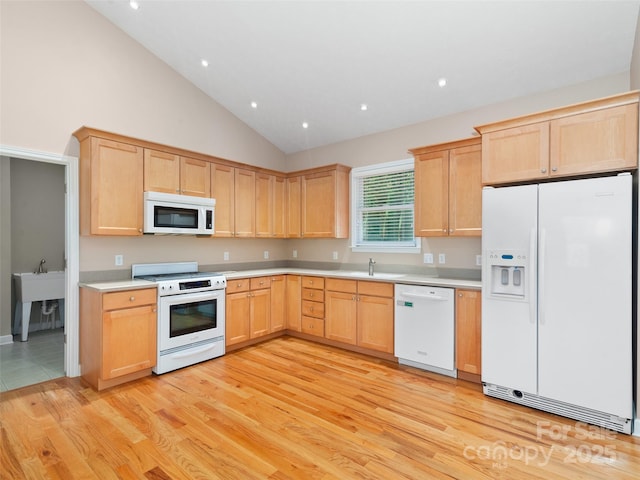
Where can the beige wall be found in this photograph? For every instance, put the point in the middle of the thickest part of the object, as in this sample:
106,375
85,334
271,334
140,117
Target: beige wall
65,66
635,67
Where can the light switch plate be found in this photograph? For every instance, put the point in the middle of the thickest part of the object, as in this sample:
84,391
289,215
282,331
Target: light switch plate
225,256
428,258
266,254
442,258
479,260
119,260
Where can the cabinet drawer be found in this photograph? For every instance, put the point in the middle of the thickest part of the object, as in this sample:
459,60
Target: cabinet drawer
375,288
260,282
313,309
238,285
129,298
313,295
313,326
313,282
340,285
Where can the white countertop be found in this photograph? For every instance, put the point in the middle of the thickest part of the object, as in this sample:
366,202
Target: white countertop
114,286
408,278
405,278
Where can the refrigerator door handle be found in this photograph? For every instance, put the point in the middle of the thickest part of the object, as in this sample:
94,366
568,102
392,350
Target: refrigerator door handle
532,275
541,267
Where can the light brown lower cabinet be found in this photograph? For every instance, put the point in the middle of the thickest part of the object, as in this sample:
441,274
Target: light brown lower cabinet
294,302
360,312
468,334
248,309
313,306
278,303
108,322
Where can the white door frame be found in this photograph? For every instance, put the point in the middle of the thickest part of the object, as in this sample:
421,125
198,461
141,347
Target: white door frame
71,249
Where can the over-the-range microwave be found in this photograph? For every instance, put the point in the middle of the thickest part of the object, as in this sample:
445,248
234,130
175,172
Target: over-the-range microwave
168,213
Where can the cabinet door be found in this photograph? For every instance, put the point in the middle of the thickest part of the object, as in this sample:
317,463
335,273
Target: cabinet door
195,177
468,331
431,177
319,204
340,317
264,205
294,198
465,191
515,154
375,323
260,312
245,201
238,314
111,189
603,140
161,172
294,302
279,207
223,190
278,303
121,356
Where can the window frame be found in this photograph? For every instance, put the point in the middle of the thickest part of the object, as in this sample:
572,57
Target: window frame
372,170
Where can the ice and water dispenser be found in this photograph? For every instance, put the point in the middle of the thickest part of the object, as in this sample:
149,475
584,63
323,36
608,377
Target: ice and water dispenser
508,273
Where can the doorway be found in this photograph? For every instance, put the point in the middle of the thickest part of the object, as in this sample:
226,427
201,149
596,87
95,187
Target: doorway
53,338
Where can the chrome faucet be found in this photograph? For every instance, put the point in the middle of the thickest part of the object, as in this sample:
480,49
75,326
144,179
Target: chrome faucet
41,267
371,264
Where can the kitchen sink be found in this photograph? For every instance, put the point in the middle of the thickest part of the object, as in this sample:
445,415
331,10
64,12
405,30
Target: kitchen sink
382,275
32,287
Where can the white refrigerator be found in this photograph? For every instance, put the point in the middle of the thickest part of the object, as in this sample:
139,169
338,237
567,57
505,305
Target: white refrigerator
557,298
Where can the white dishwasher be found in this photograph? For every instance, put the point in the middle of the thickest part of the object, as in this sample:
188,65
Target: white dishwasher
425,328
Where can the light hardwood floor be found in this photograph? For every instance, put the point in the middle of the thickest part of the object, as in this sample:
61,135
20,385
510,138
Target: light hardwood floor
292,409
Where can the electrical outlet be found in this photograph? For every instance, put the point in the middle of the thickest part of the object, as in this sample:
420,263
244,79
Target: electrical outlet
441,259
119,260
225,256
295,254
335,255
266,254
479,260
428,258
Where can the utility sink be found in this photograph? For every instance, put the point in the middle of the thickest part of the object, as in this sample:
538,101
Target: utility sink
33,287
382,275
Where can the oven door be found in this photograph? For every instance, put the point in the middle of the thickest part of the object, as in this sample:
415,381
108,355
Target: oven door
190,318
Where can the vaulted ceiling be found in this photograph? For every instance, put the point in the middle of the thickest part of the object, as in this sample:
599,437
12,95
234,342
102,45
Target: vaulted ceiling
319,62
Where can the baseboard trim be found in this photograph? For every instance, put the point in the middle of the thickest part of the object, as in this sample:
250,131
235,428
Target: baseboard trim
6,339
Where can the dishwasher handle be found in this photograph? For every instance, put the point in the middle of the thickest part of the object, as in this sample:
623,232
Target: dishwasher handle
423,296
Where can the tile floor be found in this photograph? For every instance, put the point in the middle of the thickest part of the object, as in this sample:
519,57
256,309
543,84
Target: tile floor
27,363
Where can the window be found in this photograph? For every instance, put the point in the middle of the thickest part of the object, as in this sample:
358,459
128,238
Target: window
382,208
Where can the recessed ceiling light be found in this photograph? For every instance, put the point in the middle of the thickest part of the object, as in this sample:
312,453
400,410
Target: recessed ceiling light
254,104
364,107
305,125
133,4
204,63
442,82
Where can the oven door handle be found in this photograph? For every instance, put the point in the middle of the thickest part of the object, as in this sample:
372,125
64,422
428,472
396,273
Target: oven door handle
192,297
192,352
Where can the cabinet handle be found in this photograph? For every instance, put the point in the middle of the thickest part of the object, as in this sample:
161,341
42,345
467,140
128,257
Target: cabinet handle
544,170
311,295
460,295
554,169
444,230
451,230
261,282
132,298
154,309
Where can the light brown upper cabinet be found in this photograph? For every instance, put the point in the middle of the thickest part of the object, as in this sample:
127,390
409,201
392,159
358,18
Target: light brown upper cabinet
448,189
233,188
294,197
270,206
325,203
169,173
586,138
111,175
